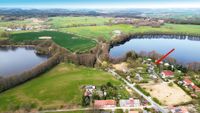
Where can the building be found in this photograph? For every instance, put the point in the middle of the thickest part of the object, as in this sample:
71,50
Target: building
179,110
167,74
117,32
104,104
188,83
89,89
129,103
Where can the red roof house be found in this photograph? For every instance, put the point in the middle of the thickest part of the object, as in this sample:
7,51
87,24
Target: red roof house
104,103
190,84
167,74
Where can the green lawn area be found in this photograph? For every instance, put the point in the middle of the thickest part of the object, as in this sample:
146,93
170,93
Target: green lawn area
69,41
61,22
15,22
106,31
60,86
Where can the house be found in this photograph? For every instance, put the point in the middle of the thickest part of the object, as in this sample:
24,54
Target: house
89,89
188,83
104,104
117,32
129,103
167,74
179,110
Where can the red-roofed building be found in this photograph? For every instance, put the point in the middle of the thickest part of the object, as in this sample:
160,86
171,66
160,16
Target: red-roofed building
167,74
104,103
187,82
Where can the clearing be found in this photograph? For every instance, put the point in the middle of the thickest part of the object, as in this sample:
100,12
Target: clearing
167,95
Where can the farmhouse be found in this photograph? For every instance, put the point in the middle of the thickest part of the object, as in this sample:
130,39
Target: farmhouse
104,103
129,103
167,74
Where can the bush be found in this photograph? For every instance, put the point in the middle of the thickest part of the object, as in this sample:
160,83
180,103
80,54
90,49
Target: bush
157,101
142,90
170,84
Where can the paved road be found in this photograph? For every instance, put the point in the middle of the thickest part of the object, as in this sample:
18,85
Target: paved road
86,109
154,104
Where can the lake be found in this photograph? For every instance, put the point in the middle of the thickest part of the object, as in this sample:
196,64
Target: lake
17,60
187,49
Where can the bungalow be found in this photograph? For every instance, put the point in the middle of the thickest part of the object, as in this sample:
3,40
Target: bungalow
167,74
188,83
104,104
129,103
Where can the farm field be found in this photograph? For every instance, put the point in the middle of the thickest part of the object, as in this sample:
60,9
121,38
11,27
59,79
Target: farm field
61,86
69,41
106,31
167,95
62,22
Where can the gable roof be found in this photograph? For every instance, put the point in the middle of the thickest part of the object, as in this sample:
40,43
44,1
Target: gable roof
102,103
168,73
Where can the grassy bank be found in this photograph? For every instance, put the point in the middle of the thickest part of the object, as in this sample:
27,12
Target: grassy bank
106,31
69,41
61,86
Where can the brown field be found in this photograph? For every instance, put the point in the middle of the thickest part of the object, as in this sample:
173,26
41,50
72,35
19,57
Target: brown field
167,95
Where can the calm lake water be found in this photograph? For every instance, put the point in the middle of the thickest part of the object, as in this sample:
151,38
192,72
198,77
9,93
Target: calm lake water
187,50
18,60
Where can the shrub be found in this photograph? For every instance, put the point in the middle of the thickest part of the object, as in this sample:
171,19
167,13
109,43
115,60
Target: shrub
142,90
156,100
170,84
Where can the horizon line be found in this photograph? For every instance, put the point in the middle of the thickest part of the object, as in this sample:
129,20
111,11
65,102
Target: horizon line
101,6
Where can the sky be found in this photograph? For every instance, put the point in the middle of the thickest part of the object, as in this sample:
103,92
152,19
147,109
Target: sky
101,3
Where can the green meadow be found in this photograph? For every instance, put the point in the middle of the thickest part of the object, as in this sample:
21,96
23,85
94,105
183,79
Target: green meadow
69,41
61,22
107,31
61,86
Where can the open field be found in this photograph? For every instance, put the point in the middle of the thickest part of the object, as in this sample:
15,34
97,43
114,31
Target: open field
11,23
69,41
61,22
106,31
61,86
167,95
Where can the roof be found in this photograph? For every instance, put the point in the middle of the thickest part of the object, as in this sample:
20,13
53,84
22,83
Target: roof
187,81
168,73
103,103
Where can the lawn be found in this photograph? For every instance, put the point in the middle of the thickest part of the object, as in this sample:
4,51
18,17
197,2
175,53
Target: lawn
61,22
69,41
106,31
61,86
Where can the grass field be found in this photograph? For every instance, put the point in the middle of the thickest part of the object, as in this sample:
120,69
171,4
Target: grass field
61,22
106,31
60,86
69,41
16,22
